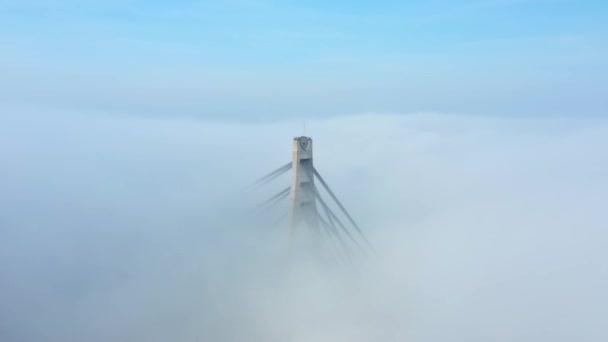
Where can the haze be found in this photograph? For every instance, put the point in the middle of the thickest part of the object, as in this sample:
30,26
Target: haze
468,139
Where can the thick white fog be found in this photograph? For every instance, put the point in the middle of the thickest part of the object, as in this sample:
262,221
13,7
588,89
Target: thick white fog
130,229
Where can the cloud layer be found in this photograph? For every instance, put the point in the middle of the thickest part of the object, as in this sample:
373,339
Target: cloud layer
126,229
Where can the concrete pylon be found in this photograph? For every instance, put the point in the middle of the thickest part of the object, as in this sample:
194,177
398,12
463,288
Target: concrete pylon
302,201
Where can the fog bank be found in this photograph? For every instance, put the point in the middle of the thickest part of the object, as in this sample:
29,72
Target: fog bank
131,229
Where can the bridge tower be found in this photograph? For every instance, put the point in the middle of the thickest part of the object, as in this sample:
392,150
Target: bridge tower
302,199
304,217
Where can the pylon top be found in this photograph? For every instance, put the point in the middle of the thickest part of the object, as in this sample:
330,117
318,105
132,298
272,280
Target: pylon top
302,146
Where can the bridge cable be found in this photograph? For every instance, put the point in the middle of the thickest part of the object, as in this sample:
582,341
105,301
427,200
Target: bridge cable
331,213
274,174
341,207
334,235
274,199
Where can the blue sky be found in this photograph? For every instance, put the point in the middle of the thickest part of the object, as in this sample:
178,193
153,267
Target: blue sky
268,60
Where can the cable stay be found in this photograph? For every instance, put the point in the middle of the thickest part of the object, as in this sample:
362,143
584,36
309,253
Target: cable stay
331,228
307,202
272,201
333,196
335,218
274,174
335,236
327,210
330,214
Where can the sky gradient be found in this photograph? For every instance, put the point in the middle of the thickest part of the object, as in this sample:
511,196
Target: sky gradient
269,60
